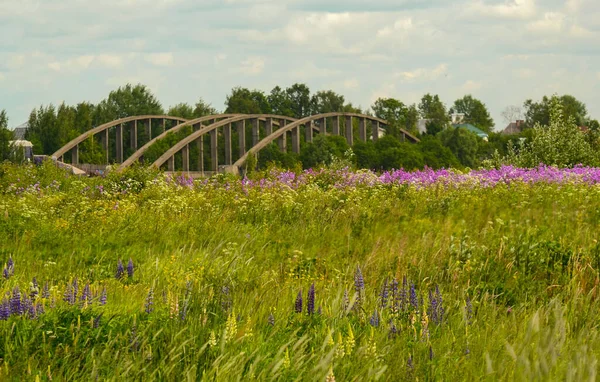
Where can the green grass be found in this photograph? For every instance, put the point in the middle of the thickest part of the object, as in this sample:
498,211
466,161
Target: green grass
527,257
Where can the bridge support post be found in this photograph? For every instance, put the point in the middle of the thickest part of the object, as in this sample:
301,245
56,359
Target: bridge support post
75,155
214,153
241,129
255,133
336,125
269,126
104,143
185,154
133,136
323,125
200,143
308,131
362,129
119,143
349,132
296,140
375,127
149,129
227,137
171,163
282,142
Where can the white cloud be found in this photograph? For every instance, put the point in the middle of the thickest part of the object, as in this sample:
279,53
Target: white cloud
401,25
220,57
552,22
471,86
513,9
55,66
110,60
2,77
579,31
160,59
15,61
351,83
72,65
252,65
425,74
524,73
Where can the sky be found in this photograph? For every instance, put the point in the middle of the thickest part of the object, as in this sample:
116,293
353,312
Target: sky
502,52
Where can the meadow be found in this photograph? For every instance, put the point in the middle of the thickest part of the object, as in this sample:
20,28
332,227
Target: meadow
321,275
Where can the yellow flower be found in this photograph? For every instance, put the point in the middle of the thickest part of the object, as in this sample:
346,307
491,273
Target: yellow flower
339,350
286,359
350,342
230,327
212,340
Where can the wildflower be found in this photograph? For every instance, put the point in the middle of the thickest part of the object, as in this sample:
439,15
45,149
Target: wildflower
149,301
4,310
329,339
374,320
10,266
6,273
404,295
424,326
395,296
330,376
103,296
286,359
212,340
436,309
86,295
75,290
350,341
414,302
310,303
346,301
340,347
184,311
120,270
271,319
68,295
97,320
298,304
34,288
130,268
393,330
359,283
248,332
384,295
46,290
372,345
15,302
230,327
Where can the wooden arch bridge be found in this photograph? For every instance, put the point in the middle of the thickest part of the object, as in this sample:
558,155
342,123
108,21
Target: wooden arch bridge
126,141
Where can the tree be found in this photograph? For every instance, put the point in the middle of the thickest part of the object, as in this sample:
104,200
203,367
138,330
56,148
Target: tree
299,97
366,154
127,101
397,114
326,101
539,112
246,101
475,111
280,102
5,137
434,110
202,109
512,113
181,110
322,150
463,144
435,154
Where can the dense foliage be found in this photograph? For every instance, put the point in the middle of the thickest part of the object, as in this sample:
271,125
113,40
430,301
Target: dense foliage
318,275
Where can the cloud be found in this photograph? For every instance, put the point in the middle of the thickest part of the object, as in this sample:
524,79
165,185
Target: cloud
160,59
2,77
552,22
404,24
425,74
71,65
252,66
110,60
351,83
512,9
471,86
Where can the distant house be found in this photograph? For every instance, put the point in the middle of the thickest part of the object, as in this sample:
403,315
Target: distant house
480,133
22,148
20,131
514,127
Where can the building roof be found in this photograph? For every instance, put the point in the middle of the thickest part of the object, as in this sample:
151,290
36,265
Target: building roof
514,127
19,131
472,129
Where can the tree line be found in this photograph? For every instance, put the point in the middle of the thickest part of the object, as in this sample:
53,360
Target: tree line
50,127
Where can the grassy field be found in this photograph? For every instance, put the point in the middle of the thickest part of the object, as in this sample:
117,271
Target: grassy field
140,277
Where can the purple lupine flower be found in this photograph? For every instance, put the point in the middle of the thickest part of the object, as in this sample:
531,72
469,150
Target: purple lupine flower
103,296
149,301
384,295
75,290
86,295
310,300
130,268
298,304
393,329
97,320
226,301
440,304
468,310
6,273
374,320
39,308
404,295
395,295
46,290
67,296
433,308
414,302
120,270
4,310
28,307
15,302
271,319
10,266
359,282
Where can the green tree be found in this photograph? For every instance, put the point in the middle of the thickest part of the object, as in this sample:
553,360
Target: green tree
280,102
299,97
323,150
5,137
366,154
326,101
475,111
435,154
434,110
127,101
463,144
246,101
397,114
539,112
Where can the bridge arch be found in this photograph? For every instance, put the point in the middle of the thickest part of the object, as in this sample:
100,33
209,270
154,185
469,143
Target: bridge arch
294,128
73,145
